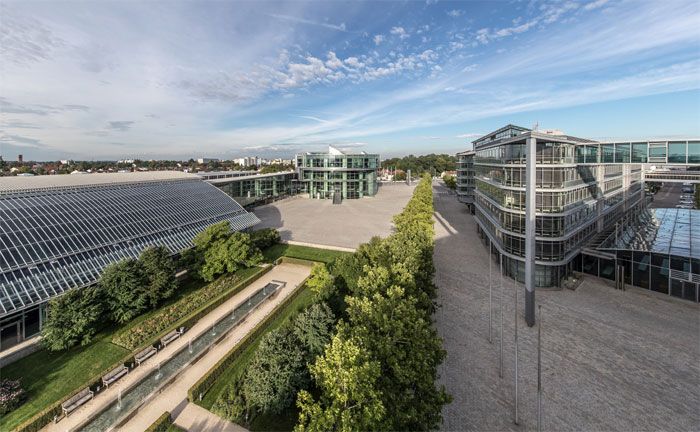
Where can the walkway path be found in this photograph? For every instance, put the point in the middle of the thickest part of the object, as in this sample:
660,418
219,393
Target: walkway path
194,418
173,397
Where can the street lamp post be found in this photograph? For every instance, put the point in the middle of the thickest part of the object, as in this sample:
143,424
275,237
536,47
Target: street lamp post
530,244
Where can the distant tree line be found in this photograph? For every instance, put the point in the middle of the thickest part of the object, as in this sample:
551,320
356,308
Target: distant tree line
433,164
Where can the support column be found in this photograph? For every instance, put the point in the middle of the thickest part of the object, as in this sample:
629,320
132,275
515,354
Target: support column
530,207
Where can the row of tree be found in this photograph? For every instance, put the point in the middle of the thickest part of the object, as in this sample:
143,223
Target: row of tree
279,367
433,164
379,370
129,287
126,289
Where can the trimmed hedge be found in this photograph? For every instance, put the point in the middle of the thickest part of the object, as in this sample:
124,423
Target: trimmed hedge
162,424
207,381
291,260
44,417
176,315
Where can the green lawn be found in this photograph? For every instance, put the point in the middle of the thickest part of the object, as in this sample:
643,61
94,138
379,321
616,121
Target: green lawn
303,300
49,376
302,252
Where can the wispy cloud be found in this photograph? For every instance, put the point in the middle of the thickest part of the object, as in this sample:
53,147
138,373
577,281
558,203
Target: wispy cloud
339,27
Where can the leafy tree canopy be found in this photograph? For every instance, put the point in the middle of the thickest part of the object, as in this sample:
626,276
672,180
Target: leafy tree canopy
126,289
350,400
159,270
72,319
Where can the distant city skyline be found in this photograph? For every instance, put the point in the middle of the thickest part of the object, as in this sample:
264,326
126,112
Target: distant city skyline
180,80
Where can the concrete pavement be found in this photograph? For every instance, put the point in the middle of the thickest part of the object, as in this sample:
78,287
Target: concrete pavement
611,360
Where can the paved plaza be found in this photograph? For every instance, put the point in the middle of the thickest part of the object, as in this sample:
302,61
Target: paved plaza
346,225
611,360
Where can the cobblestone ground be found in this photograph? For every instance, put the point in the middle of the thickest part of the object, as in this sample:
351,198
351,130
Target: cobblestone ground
611,360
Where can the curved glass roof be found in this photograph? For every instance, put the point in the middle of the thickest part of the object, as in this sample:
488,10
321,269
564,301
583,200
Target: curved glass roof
58,238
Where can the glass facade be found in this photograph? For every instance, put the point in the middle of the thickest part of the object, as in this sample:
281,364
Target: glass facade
659,250
259,189
465,178
53,239
583,187
327,175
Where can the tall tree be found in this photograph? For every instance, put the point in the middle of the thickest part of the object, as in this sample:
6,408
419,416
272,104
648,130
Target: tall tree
276,373
72,319
350,400
126,289
314,328
220,251
159,270
397,333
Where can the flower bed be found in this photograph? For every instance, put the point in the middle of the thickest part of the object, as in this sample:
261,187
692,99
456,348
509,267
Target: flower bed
155,325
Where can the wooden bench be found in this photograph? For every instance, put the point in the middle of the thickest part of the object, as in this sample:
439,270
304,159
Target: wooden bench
74,403
145,354
114,375
165,340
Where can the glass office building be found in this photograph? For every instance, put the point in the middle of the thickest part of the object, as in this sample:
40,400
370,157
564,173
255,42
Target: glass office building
583,188
258,189
336,173
59,232
465,178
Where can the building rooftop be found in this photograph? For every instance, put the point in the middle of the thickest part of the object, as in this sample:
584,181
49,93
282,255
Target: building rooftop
17,184
663,230
247,177
334,151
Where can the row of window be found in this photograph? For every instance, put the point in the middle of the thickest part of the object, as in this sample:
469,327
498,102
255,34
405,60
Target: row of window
515,176
545,226
544,250
331,161
546,202
553,152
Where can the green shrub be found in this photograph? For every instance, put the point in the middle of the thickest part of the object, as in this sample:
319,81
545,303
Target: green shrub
11,395
264,238
162,424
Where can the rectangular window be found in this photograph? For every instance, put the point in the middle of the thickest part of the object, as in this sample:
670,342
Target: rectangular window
608,153
657,151
622,153
639,152
694,152
676,152
591,154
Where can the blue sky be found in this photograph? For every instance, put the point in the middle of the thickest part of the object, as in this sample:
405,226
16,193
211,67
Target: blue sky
91,80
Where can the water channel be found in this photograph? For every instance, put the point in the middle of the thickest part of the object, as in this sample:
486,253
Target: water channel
131,399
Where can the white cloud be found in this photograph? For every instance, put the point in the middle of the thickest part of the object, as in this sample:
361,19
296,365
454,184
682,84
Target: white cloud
469,135
353,62
378,39
454,13
595,4
333,62
400,32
